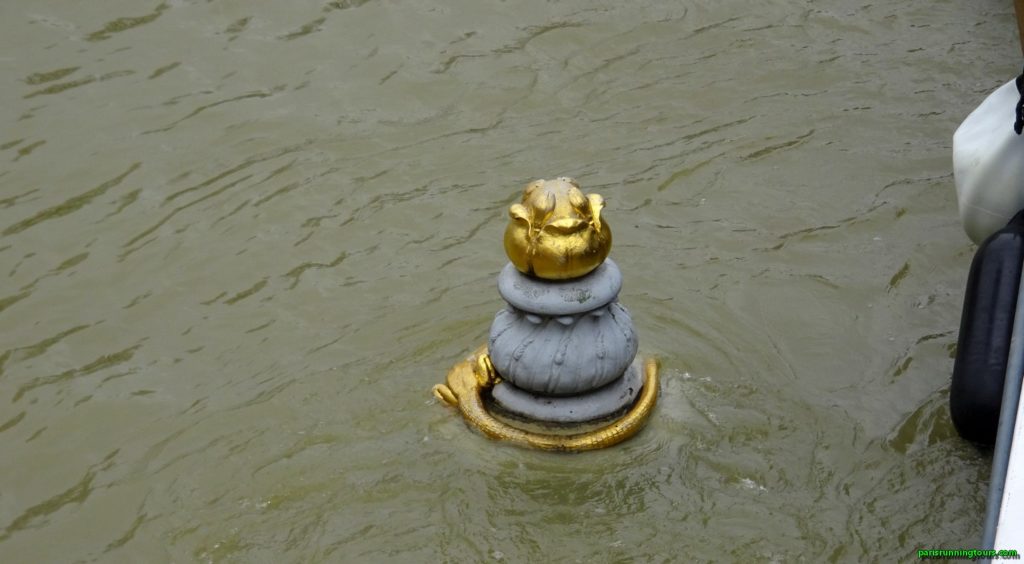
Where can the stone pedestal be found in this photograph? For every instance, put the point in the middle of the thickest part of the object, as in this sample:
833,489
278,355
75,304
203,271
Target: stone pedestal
564,349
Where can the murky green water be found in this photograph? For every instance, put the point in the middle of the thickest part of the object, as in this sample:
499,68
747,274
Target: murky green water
241,241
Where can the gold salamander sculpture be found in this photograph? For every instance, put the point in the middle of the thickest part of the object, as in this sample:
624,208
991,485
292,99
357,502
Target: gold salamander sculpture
556,231
467,379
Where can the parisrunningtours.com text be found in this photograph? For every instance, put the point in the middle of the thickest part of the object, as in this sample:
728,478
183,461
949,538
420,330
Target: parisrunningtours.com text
967,554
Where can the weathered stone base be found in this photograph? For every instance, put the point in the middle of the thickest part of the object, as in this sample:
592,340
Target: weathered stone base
577,408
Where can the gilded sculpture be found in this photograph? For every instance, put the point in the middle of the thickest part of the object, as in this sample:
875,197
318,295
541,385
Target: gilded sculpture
563,350
556,231
469,379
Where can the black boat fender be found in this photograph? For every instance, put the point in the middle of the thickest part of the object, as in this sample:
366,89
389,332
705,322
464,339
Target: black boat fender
986,324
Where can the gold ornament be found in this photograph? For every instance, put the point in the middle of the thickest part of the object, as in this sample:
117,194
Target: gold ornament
556,232
468,379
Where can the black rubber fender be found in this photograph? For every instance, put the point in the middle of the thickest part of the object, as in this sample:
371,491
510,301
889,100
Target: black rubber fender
986,324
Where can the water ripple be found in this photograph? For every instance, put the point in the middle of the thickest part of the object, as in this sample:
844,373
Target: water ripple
101,363
126,23
203,108
70,205
76,494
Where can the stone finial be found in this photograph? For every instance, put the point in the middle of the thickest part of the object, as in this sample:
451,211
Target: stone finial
563,350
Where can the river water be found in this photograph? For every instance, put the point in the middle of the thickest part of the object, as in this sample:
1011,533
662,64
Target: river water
240,241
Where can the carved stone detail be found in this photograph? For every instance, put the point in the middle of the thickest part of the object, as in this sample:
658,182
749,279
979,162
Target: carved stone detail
562,355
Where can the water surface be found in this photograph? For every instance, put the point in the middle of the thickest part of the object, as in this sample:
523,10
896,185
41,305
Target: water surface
240,241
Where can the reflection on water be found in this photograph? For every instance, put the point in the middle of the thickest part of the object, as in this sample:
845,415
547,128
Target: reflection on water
240,242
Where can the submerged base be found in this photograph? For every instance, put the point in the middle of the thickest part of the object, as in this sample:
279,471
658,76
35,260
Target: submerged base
469,379
576,408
